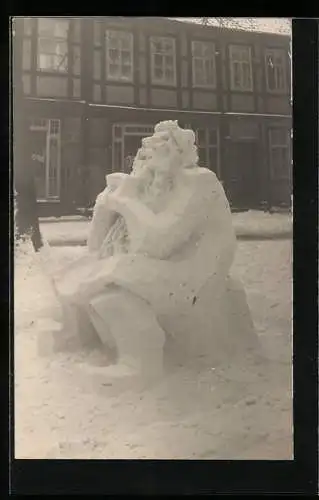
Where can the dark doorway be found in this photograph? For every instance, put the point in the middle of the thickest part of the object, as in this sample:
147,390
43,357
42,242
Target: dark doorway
242,175
131,145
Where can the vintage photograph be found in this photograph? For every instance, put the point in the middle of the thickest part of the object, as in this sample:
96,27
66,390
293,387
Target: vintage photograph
153,221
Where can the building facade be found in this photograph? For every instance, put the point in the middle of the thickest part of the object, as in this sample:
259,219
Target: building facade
94,87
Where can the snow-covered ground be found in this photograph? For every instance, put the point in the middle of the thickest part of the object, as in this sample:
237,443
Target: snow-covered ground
62,410
248,223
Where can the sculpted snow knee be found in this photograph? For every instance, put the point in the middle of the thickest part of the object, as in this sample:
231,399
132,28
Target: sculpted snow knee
160,249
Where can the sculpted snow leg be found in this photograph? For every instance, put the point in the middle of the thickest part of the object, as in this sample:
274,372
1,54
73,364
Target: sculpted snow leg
127,321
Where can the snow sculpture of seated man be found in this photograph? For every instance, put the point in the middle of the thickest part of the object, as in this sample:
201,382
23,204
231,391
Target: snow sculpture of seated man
161,238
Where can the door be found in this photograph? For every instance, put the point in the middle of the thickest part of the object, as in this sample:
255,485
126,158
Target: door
46,157
242,175
126,140
38,158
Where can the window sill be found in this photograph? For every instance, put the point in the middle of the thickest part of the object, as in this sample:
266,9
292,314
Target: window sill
204,87
279,179
48,200
44,71
278,92
163,84
242,91
118,80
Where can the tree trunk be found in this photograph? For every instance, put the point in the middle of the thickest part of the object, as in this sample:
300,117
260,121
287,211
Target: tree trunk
27,222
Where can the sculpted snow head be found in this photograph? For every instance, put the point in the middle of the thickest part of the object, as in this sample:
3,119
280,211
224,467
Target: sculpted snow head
169,149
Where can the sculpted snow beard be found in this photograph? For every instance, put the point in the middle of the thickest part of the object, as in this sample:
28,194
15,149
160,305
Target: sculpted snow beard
153,177
151,189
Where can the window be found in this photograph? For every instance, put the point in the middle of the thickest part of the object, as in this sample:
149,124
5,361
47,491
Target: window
279,145
52,45
119,55
27,22
275,70
163,60
204,64
240,68
46,155
207,141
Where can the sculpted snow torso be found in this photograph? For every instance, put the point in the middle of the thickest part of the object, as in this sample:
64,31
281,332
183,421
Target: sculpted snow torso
163,238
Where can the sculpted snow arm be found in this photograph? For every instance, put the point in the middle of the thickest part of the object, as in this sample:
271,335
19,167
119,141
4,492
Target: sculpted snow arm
159,235
103,216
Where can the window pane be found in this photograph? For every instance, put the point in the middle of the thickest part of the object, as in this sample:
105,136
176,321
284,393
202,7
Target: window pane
52,55
158,60
169,75
212,137
126,42
114,55
158,72
246,76
126,58
27,25
169,62
168,47
197,49
278,58
275,64
119,55
280,162
202,157
209,70
97,65
77,87
163,60
26,54
156,47
77,30
47,45
271,78
198,65
280,78
53,168
76,60
201,137
97,33
213,159
237,75
97,95
243,54
278,136
126,71
53,27
26,84
114,70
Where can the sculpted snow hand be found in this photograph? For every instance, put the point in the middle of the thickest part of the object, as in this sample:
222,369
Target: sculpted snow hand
160,248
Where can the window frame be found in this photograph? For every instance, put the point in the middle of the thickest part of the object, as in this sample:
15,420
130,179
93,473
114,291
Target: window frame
57,39
232,47
154,79
267,51
208,146
121,78
195,84
272,146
